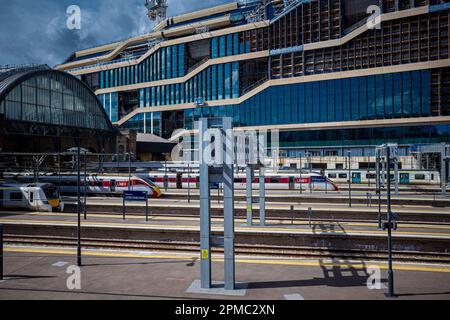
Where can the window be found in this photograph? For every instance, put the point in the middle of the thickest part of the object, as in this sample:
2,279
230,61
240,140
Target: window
332,175
342,176
16,196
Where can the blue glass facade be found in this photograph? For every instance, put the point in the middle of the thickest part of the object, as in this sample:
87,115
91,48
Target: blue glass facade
366,136
202,85
359,98
165,63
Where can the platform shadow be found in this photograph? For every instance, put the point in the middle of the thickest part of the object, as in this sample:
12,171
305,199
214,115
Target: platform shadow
421,294
113,294
26,276
188,262
337,273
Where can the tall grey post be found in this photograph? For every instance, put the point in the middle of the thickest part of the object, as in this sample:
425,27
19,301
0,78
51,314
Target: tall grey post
216,173
443,156
205,212
249,182
262,197
396,175
228,205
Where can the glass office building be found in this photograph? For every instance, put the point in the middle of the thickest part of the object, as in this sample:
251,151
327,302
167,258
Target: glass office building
313,69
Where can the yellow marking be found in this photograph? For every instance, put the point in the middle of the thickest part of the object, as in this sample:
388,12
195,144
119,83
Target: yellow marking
270,220
314,263
205,254
196,228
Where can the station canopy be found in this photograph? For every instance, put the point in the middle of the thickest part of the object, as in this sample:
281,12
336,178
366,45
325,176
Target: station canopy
40,95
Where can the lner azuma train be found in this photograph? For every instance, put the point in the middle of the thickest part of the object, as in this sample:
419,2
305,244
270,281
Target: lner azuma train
31,196
273,181
100,184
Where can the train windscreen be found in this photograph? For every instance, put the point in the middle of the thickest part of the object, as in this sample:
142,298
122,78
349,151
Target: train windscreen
51,192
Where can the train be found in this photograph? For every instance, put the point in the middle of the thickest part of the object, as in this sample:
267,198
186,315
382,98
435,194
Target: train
101,184
34,196
273,181
406,177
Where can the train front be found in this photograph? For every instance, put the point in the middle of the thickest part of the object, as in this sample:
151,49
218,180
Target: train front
53,197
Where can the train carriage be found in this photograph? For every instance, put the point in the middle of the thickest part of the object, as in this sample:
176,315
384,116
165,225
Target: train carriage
35,196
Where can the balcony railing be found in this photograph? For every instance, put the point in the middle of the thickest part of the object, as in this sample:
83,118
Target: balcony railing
254,85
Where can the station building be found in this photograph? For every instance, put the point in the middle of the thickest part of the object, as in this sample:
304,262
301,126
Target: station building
314,69
46,111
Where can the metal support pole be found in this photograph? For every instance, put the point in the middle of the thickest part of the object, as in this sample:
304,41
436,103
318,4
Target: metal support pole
301,174
205,212
378,181
228,206
389,223
249,181
146,206
443,168
165,173
396,176
189,182
129,171
310,216
85,187
123,207
349,180
1,252
78,209
262,197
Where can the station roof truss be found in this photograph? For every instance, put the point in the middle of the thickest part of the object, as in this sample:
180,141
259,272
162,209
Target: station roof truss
40,101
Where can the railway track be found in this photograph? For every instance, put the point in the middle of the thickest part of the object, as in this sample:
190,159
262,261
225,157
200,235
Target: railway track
240,249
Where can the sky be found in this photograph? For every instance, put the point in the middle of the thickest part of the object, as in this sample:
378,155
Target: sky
35,31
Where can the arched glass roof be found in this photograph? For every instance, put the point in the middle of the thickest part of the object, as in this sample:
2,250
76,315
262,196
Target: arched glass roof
52,97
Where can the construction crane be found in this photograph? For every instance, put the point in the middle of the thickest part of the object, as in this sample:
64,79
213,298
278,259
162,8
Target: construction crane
157,9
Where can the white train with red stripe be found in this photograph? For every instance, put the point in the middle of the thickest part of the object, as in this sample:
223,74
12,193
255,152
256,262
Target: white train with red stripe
274,181
100,184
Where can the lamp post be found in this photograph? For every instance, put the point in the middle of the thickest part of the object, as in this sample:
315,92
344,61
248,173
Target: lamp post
349,179
78,208
389,223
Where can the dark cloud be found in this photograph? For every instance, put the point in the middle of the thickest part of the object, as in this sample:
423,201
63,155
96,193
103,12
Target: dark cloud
34,31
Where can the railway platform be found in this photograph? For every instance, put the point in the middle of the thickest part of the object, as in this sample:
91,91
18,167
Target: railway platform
412,241
274,209
43,273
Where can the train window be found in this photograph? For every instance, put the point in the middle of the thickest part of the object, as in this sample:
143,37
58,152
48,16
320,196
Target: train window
238,180
275,180
31,196
332,175
419,177
16,196
432,176
342,176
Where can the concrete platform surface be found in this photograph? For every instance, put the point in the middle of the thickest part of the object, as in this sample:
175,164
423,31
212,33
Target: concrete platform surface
46,273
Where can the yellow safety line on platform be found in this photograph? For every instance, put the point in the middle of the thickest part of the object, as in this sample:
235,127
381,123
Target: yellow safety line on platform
358,265
196,228
238,220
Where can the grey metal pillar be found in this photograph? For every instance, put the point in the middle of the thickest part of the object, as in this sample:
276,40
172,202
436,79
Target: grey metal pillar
78,208
228,206
389,223
262,197
205,218
396,176
249,182
378,179
443,168
448,175
300,173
